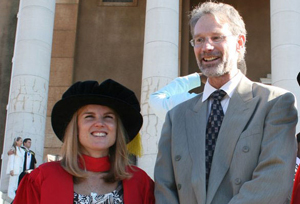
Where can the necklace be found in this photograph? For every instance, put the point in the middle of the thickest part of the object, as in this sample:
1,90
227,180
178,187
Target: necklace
88,163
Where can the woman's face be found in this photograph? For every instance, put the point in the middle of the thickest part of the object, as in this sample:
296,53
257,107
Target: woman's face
19,142
97,129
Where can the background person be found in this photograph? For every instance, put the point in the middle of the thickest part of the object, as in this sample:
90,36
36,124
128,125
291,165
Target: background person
15,166
235,142
95,122
29,158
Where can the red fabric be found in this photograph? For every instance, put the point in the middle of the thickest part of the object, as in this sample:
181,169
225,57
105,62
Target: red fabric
101,164
50,183
296,189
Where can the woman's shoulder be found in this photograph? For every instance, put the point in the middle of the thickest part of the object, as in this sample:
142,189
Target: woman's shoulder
46,167
137,172
49,170
135,169
140,185
50,165
53,166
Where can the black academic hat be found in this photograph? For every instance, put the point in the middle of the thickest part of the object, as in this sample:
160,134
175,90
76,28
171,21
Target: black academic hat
109,93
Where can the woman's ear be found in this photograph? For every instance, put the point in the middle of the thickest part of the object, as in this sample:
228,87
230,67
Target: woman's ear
240,43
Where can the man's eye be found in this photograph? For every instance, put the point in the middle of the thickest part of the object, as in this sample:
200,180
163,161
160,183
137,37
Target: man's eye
199,40
216,38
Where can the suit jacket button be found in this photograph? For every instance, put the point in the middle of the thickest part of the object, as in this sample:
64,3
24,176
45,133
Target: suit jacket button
246,149
237,181
179,186
177,158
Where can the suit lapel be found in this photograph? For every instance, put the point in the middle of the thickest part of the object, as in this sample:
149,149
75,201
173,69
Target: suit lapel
239,111
195,128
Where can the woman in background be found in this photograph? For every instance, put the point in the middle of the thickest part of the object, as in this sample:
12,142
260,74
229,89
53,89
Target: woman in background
15,166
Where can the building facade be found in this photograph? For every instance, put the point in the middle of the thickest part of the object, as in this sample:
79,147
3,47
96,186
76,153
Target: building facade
47,45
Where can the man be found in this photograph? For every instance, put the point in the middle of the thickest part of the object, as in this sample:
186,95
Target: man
29,158
243,149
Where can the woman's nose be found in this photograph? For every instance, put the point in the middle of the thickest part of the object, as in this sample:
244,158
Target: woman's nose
99,122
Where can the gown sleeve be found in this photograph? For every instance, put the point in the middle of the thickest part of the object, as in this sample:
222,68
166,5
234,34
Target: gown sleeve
29,190
296,189
139,188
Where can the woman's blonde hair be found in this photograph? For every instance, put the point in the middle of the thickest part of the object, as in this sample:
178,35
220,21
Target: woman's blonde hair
118,155
15,144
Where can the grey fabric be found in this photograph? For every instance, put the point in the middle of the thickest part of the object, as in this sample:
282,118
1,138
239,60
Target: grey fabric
254,158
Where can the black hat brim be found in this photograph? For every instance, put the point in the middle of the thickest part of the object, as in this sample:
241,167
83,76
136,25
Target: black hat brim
64,110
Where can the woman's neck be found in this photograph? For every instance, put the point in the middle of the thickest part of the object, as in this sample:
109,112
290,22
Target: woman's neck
94,164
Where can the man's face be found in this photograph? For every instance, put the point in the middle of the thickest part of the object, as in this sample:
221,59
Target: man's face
27,144
215,57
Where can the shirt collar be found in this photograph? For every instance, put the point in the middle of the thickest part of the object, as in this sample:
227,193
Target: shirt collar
229,87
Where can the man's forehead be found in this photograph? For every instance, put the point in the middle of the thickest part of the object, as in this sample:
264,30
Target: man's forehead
210,24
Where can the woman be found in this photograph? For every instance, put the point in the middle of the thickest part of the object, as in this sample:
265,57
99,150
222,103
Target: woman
15,166
94,122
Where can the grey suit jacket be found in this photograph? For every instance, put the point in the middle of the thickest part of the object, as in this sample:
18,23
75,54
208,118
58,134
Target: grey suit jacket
254,158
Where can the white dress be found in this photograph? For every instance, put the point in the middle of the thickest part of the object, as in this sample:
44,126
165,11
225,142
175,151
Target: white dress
15,163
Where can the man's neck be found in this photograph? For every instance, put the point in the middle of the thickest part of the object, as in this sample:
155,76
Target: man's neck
218,82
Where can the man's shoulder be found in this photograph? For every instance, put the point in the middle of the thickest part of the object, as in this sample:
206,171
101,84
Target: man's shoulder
269,91
262,90
32,152
187,104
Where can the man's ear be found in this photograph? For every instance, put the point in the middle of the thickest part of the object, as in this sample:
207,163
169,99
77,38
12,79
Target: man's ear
240,43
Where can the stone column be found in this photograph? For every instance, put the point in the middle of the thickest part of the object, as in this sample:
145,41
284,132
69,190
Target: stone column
285,45
160,66
27,103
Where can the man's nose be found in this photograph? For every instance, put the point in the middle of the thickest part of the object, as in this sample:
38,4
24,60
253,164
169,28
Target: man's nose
208,44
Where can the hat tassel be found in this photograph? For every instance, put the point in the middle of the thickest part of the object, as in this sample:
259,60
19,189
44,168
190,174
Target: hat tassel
135,146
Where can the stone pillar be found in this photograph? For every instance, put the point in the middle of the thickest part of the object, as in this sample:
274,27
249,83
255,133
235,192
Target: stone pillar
8,22
160,66
285,45
27,103
62,63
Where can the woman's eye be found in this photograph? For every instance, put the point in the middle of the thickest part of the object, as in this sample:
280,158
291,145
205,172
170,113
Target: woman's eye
89,116
109,116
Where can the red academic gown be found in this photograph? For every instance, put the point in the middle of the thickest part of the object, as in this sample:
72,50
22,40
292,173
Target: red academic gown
296,189
50,183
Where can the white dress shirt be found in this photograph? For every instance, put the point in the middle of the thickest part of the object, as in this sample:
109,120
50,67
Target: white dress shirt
229,88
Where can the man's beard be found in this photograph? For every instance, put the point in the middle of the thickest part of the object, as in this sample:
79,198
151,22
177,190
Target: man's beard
214,70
